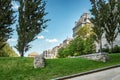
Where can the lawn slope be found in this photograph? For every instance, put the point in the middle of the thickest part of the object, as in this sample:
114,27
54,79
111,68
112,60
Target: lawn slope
22,68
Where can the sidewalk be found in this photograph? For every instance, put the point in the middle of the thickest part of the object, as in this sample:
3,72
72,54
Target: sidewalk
110,74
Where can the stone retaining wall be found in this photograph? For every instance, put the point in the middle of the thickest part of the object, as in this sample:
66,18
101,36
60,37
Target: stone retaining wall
97,57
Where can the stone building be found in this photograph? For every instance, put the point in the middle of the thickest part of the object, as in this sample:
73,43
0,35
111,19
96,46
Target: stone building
105,43
84,20
52,53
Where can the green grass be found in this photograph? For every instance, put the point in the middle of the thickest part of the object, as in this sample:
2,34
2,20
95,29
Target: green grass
22,68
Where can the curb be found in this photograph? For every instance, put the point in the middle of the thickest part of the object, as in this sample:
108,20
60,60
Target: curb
85,73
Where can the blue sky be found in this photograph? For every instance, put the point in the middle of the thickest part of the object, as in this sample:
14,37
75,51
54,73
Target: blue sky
63,14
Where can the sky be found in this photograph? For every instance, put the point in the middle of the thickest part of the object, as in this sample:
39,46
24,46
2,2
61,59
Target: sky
63,14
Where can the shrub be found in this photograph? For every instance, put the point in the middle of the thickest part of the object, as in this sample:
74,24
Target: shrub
76,54
116,49
60,53
77,47
105,49
89,46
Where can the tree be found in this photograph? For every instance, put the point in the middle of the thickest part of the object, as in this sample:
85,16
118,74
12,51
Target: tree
97,21
77,46
89,46
110,21
31,23
118,10
85,31
6,20
60,53
7,51
108,17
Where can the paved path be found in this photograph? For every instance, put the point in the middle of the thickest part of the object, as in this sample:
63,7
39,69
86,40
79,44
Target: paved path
110,74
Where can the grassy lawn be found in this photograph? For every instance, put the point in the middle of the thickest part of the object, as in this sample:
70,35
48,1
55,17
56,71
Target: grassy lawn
22,68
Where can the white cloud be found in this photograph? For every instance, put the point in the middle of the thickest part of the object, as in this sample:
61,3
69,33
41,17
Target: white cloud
12,40
52,40
40,37
15,5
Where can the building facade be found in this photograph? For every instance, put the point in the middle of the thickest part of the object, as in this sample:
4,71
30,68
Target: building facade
52,53
84,20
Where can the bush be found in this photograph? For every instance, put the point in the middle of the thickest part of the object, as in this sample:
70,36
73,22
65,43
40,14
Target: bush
77,47
76,54
89,46
60,53
63,52
116,49
105,49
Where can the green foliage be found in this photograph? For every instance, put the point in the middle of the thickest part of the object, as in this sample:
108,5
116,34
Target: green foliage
60,52
63,52
118,15
116,49
105,49
85,31
89,46
77,47
6,20
106,16
7,51
22,68
31,23
97,21
111,23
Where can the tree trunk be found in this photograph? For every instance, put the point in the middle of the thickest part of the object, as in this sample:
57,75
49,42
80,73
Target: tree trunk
100,42
22,54
111,50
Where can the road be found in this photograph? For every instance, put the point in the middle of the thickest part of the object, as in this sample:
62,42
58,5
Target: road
110,74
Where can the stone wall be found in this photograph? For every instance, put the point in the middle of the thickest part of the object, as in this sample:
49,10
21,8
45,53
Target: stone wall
97,57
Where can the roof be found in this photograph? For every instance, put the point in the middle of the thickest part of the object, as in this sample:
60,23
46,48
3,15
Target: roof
33,54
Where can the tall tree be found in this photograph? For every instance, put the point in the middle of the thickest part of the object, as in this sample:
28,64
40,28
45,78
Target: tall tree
118,9
108,17
6,20
31,23
110,20
97,21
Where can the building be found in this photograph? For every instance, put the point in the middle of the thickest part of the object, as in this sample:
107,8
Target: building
52,53
33,54
106,44
84,20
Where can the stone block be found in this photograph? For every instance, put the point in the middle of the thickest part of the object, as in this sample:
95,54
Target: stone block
39,61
